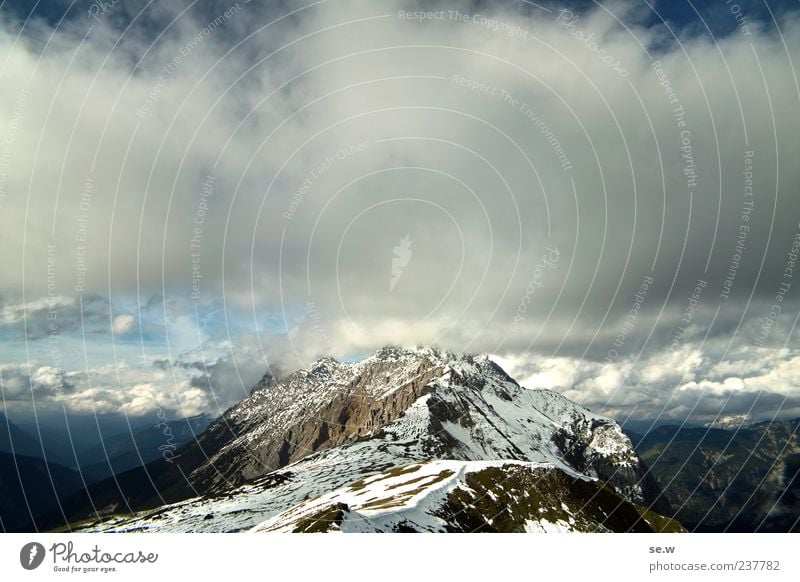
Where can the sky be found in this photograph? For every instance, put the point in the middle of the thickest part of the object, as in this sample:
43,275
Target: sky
603,196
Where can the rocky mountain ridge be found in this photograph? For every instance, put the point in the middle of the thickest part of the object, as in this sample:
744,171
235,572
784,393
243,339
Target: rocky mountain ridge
335,424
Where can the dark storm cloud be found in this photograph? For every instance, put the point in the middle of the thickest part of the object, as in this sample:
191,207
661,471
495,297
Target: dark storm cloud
35,319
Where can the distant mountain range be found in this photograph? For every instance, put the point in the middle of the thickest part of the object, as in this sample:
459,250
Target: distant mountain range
26,465
405,440
16,440
128,450
734,479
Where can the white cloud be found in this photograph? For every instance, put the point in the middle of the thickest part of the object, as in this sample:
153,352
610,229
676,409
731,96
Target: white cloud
106,389
671,386
123,324
20,381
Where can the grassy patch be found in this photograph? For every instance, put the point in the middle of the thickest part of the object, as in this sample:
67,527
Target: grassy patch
503,499
394,472
401,498
323,521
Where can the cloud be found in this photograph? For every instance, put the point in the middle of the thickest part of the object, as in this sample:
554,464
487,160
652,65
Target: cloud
117,388
21,382
269,164
696,382
53,315
123,324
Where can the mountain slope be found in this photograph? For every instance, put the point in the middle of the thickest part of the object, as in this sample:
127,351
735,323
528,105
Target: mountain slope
334,424
125,451
740,480
28,487
16,440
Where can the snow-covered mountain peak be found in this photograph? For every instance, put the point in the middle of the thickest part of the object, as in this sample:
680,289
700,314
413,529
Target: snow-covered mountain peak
335,423
324,368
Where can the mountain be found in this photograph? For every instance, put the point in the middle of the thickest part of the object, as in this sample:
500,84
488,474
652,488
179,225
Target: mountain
28,487
139,446
397,442
730,422
16,440
717,479
71,436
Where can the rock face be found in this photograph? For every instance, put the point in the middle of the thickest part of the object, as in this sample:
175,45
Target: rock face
336,424
328,405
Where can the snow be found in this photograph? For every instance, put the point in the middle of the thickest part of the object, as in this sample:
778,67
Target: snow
414,422
408,494
544,526
610,440
491,421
